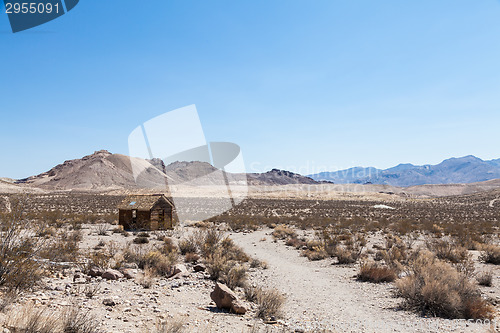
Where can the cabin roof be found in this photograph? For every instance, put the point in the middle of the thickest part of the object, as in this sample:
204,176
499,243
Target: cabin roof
142,202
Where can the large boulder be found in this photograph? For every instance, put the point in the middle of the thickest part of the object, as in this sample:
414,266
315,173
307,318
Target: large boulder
112,274
225,298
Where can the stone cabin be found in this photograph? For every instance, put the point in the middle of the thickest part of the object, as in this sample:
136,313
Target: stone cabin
146,212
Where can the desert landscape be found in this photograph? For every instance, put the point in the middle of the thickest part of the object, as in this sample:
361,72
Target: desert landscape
296,255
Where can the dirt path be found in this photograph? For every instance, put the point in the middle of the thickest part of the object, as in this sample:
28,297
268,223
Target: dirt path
492,202
321,295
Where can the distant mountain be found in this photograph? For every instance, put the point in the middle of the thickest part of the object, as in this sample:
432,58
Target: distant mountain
279,177
468,169
106,171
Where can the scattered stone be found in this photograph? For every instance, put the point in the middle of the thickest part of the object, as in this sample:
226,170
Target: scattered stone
179,269
108,302
199,268
95,271
112,274
225,298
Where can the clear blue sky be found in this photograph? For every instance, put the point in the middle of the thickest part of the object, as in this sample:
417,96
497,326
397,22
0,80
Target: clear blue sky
302,85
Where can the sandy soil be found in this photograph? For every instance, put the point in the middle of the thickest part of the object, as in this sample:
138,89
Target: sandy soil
325,296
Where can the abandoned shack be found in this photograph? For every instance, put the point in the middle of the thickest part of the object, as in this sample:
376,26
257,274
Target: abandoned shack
146,212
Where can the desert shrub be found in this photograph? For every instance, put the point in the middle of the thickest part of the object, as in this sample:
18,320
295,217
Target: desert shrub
235,277
490,254
283,232
257,263
161,264
64,248
436,288
174,325
188,245
295,242
347,256
270,303
316,253
485,279
141,240
371,272
252,293
143,234
168,245
31,320
102,229
448,250
191,257
96,259
75,320
19,268
217,264
146,280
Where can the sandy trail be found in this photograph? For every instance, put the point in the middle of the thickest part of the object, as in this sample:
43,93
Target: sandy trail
326,296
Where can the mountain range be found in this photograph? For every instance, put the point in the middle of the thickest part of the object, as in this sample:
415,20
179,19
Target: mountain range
106,171
463,170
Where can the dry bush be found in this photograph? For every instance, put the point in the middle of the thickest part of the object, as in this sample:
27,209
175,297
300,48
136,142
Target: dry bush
75,320
347,256
99,259
161,264
188,245
252,293
284,232
295,242
436,288
174,325
19,268
217,264
270,303
490,254
102,229
446,249
235,277
141,240
191,257
146,280
31,320
485,279
371,272
168,245
316,253
65,248
257,263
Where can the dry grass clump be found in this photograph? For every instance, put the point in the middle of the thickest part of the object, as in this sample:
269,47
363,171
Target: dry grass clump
19,267
372,272
44,320
64,247
490,254
160,263
436,288
485,279
75,320
188,245
174,325
191,257
446,249
270,303
283,231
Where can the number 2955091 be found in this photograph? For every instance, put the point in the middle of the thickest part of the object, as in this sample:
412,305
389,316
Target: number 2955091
31,8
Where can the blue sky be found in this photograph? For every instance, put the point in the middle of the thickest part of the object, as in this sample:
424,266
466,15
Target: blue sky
302,85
